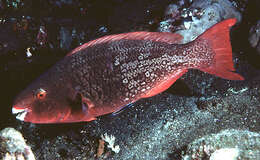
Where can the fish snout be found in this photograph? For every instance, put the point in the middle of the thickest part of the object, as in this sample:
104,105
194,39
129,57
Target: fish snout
20,113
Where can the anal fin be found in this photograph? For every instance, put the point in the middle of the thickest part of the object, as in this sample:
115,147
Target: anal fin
122,109
165,84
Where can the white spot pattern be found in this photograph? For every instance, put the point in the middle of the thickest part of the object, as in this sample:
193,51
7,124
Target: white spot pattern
144,64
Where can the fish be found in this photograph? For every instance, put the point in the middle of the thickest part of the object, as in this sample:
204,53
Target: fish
105,74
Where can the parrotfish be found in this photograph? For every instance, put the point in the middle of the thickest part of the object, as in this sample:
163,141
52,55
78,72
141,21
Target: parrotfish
103,75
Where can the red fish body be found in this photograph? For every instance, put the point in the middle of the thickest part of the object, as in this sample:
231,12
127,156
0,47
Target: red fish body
103,75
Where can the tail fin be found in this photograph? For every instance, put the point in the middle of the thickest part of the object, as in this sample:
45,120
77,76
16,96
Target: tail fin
218,36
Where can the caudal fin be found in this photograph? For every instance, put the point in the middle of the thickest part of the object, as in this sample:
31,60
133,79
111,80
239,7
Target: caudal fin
219,39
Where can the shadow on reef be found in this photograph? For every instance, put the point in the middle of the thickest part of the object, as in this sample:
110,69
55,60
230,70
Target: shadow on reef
241,33
181,88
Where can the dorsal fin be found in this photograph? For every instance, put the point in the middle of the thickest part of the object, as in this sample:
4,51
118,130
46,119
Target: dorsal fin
171,38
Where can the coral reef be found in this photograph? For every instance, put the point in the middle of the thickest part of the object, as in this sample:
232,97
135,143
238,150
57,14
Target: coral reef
13,146
228,144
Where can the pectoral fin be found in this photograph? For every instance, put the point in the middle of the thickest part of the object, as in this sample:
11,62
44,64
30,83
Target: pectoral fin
80,104
87,107
122,109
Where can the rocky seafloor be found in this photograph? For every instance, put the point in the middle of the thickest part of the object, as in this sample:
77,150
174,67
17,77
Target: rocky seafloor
200,117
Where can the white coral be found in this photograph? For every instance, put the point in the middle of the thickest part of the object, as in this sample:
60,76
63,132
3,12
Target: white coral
225,153
111,142
14,143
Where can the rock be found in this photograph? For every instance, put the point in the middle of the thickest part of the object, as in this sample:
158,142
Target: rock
172,9
13,146
199,16
231,144
206,13
174,12
42,36
65,38
225,153
254,36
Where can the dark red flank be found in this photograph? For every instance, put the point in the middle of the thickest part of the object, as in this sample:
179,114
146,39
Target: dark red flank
105,74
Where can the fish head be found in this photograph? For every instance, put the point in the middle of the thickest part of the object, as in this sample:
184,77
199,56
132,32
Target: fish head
42,102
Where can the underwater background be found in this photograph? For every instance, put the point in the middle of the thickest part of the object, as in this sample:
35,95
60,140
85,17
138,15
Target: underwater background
200,117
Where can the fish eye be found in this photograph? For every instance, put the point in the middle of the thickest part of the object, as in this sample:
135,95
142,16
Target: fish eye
41,93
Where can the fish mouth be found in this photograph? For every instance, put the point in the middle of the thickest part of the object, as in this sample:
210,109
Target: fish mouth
20,113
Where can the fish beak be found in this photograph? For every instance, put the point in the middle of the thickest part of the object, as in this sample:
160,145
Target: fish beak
20,113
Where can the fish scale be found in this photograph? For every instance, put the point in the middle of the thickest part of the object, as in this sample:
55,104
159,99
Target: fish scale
105,74
126,73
